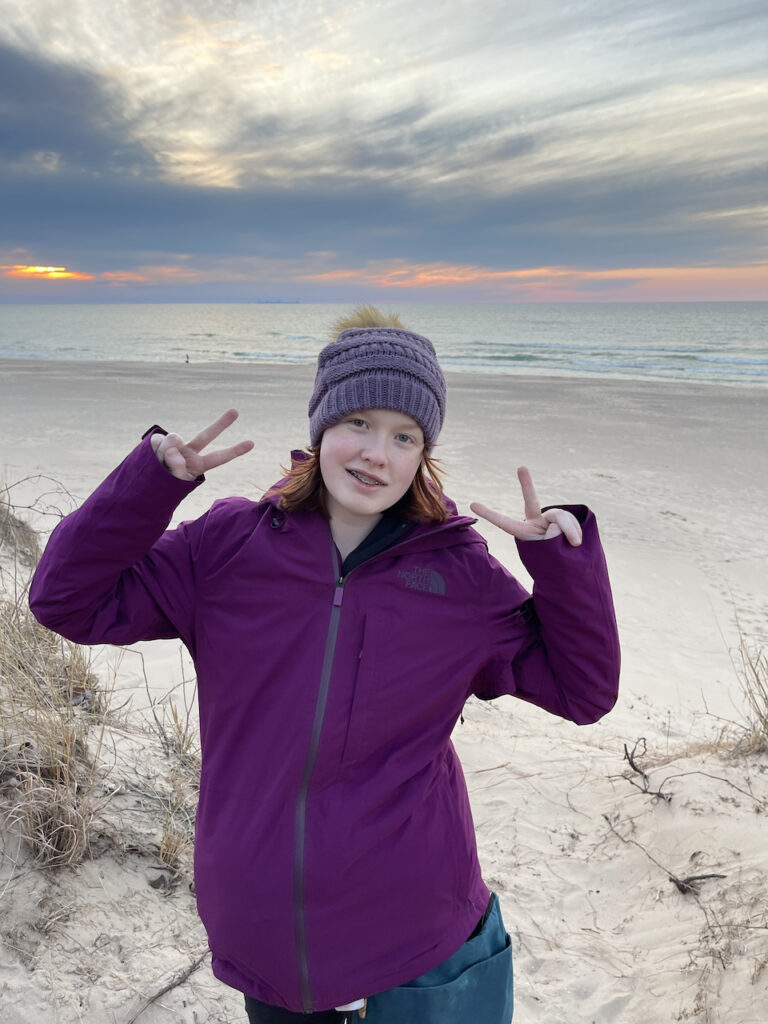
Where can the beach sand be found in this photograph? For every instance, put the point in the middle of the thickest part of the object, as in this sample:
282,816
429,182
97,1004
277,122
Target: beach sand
677,475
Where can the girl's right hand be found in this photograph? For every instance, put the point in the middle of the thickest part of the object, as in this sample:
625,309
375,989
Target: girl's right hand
183,458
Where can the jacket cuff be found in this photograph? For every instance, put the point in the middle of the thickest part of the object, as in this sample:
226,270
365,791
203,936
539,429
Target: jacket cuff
544,558
165,485
154,429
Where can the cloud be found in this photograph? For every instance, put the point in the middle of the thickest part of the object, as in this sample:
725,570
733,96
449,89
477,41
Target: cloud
559,283
610,221
505,137
61,120
325,275
458,97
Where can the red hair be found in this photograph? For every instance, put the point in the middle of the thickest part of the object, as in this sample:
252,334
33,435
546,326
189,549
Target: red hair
304,489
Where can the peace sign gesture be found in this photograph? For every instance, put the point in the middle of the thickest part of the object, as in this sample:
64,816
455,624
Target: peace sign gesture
537,525
183,458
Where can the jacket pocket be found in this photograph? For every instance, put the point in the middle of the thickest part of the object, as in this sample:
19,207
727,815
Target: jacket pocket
474,986
370,710
407,691
482,994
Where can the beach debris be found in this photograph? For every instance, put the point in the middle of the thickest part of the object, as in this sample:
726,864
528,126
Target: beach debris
177,980
84,700
640,749
691,883
160,878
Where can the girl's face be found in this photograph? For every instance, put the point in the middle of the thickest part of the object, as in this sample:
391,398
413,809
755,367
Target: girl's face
368,461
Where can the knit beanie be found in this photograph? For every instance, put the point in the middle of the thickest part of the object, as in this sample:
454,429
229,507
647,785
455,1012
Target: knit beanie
378,368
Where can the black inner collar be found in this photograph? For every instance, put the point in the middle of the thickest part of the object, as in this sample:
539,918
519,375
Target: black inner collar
388,531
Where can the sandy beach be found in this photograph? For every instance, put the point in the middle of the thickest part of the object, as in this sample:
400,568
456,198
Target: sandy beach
585,861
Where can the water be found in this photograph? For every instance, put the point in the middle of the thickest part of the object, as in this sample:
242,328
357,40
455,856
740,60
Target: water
703,342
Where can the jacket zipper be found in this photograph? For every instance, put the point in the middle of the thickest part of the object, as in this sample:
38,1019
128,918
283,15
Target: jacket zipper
300,820
301,802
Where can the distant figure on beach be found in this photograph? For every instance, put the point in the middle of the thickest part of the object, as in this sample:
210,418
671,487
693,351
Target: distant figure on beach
338,625
187,359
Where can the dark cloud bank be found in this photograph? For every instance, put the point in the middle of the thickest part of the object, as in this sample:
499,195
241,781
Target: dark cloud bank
100,201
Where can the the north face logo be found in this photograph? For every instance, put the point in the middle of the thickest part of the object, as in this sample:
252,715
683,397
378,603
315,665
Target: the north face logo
418,578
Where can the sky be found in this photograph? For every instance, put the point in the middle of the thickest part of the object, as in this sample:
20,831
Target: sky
368,150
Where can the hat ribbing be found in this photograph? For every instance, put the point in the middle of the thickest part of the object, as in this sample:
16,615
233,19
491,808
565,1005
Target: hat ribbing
378,368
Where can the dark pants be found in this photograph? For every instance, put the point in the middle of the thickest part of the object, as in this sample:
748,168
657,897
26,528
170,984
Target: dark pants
261,1013
472,987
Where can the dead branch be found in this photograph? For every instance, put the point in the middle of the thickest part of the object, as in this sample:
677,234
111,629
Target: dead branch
717,778
686,886
631,757
177,980
691,883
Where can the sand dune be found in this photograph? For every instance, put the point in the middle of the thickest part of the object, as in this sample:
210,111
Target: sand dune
589,856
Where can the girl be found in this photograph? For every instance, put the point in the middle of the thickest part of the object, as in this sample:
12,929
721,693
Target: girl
337,626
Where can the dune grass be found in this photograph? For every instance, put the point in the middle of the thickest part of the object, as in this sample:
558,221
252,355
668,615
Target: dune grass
58,730
52,711
50,706
751,663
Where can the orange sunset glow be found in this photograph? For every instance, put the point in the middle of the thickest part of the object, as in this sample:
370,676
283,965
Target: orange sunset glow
549,283
553,283
44,273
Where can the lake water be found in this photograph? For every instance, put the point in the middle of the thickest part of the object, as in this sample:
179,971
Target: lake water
702,342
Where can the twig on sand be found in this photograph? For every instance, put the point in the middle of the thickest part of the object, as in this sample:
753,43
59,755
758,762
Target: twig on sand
718,778
691,883
176,980
689,886
640,748
631,757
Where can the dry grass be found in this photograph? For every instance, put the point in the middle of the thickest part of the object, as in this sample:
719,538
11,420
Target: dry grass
175,840
55,723
80,779
54,821
752,669
176,728
180,741
49,705
46,499
744,735
17,535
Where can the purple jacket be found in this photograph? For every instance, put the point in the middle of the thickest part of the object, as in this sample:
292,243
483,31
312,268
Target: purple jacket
334,853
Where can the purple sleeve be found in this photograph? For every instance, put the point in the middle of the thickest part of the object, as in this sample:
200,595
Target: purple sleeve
560,648
110,572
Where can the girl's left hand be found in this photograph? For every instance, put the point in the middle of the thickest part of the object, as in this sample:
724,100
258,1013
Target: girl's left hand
537,525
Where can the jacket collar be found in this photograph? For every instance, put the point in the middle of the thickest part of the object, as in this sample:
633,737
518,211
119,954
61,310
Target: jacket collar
425,536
